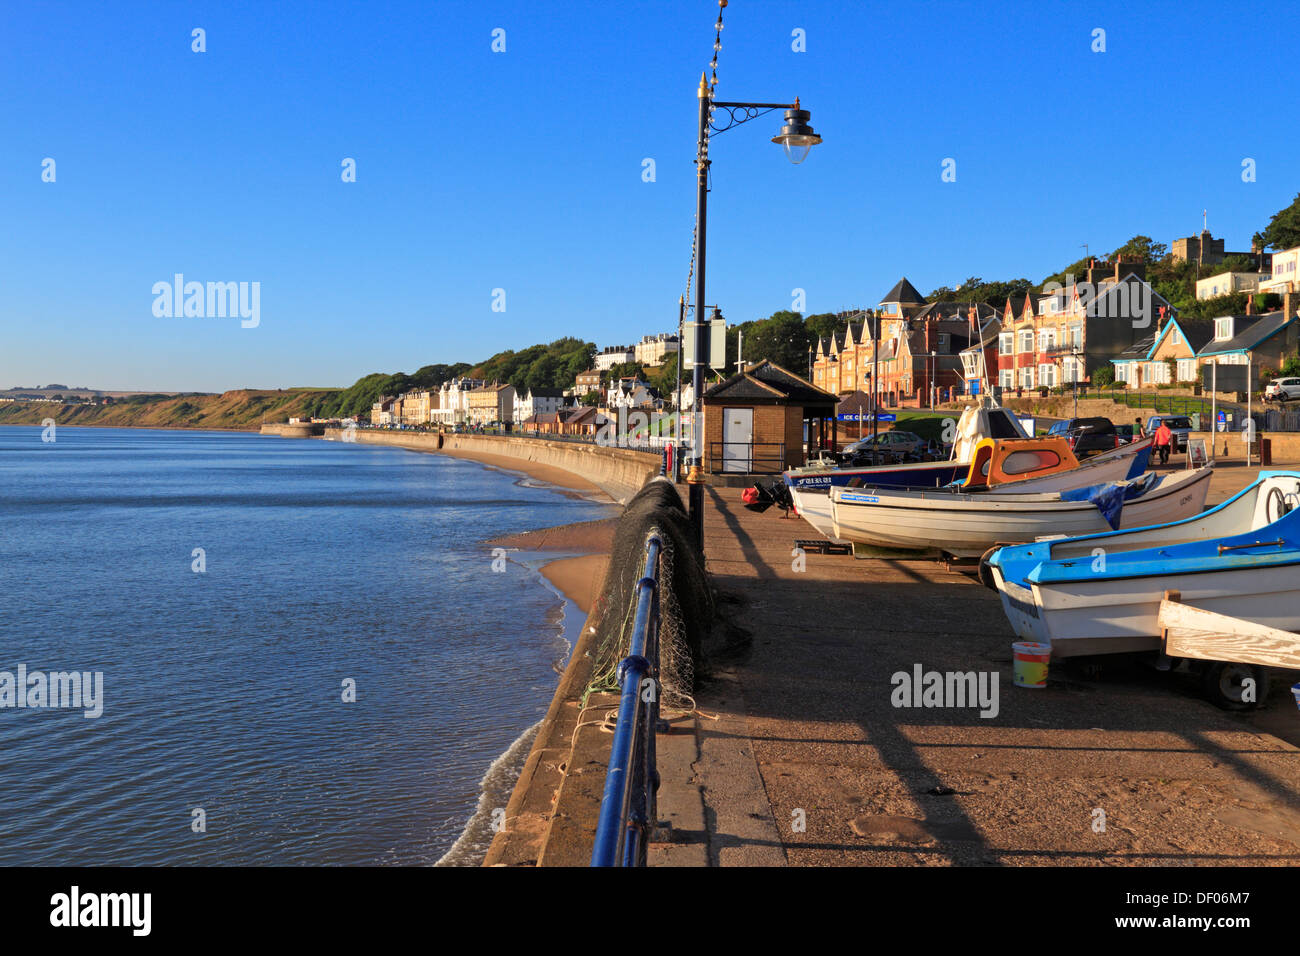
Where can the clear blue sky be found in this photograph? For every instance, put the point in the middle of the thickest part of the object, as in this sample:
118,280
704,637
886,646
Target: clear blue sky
522,170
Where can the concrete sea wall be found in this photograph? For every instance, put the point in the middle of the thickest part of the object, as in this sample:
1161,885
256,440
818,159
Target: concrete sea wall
293,431
619,472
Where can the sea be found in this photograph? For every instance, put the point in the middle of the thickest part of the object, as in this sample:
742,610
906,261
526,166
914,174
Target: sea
303,652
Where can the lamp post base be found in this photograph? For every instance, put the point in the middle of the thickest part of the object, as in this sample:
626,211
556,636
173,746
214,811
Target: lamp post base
695,505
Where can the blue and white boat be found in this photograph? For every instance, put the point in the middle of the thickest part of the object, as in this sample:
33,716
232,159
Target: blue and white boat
1101,593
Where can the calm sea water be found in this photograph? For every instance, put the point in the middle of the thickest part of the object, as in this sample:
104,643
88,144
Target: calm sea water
325,562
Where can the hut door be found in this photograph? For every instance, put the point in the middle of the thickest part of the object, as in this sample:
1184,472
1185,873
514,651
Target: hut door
737,439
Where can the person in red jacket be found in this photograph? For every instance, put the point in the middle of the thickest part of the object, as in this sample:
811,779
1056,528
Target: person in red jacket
1164,438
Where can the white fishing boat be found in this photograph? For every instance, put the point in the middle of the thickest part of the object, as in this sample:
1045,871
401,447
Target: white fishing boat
967,525
1022,465
1101,593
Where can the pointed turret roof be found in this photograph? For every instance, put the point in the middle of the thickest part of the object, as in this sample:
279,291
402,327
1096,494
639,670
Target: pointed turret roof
904,293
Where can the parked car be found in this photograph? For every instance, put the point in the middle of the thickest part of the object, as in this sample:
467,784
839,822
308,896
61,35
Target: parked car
1088,436
1126,433
891,442
1282,390
1180,425
1091,436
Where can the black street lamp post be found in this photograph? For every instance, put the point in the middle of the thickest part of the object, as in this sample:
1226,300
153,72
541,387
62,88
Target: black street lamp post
798,138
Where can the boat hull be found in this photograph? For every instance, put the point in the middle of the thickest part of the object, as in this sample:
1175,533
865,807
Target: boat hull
1110,616
966,525
811,490
1102,594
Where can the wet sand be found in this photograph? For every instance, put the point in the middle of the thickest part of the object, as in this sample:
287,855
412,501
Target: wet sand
578,579
547,473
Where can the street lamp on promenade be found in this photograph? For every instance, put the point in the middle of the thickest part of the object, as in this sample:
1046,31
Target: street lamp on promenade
798,138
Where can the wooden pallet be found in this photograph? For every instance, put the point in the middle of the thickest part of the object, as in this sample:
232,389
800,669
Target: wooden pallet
1187,631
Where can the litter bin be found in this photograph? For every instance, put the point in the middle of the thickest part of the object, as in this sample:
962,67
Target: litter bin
1265,451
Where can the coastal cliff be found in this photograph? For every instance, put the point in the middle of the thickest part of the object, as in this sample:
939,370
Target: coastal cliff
242,409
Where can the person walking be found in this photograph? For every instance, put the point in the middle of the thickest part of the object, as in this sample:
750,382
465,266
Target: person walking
1139,430
1163,438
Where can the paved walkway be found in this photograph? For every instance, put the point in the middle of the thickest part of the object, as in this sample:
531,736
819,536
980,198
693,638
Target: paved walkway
809,762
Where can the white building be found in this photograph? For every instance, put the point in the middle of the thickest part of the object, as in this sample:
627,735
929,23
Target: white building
453,401
536,401
629,393
1286,273
614,355
1226,283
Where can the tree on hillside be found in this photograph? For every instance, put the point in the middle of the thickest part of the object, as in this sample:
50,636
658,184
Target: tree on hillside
1141,247
783,338
1283,230
823,325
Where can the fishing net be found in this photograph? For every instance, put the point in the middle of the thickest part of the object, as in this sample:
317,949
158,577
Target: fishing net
685,600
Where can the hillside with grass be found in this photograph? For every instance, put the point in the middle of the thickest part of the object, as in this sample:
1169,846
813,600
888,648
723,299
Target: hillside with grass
242,409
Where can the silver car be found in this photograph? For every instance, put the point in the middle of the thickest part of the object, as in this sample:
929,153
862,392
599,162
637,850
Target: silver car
1282,390
893,442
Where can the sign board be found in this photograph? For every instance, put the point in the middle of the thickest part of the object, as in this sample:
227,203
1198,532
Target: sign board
1231,378
1196,454
717,333
854,417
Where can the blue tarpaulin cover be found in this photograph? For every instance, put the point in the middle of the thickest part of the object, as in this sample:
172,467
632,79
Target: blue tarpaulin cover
1110,497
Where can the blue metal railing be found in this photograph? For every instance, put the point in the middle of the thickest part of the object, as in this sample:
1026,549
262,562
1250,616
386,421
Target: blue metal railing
628,808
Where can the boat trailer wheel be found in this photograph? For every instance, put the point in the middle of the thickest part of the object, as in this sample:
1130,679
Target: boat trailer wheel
986,572
1283,507
1223,683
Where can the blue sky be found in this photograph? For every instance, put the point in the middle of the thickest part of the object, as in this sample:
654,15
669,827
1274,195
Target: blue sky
522,170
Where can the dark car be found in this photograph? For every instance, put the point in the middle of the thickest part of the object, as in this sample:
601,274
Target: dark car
1126,433
1091,436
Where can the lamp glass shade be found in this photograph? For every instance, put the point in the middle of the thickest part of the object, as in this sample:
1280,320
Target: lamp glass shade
797,136
797,152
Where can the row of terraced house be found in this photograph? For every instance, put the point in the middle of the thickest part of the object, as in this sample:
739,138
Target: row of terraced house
1111,318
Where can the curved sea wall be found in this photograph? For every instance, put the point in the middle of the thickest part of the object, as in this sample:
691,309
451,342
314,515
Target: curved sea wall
295,430
619,472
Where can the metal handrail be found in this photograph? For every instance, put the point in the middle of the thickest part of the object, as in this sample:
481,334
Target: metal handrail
628,809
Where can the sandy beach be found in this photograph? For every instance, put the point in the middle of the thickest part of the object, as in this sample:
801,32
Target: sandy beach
547,473
577,578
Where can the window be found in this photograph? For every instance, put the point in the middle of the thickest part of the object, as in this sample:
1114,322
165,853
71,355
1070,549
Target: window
1027,378
1026,341
1046,340
1007,378
1076,337
1006,343
1047,375
1223,328
1123,371
943,341
891,308
1187,370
